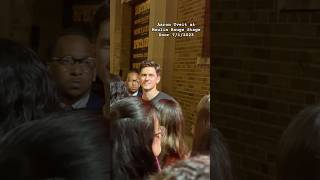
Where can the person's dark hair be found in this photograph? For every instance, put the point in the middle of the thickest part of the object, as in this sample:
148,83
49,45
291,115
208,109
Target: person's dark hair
26,92
150,63
201,140
220,159
70,31
132,132
132,71
299,156
118,89
102,14
195,168
171,117
68,146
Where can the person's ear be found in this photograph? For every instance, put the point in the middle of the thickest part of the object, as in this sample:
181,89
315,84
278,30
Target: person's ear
156,146
158,78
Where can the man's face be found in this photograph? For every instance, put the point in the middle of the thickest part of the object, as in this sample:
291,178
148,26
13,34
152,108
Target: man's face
149,78
103,50
73,78
133,82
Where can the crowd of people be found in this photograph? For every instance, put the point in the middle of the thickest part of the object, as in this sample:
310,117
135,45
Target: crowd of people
53,127
67,117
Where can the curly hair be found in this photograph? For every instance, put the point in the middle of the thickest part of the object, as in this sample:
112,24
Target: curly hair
118,89
64,145
195,168
26,91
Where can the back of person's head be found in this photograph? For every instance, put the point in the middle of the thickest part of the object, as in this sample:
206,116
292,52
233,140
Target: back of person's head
118,89
132,126
69,146
299,157
195,168
26,91
220,160
150,63
171,117
201,141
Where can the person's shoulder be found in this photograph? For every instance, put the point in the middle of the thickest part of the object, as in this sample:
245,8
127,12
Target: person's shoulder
95,102
163,95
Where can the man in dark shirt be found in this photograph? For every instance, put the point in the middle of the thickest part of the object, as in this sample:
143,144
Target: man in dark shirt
149,78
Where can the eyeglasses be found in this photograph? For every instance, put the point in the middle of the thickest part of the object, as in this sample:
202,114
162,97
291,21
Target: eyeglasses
69,61
161,132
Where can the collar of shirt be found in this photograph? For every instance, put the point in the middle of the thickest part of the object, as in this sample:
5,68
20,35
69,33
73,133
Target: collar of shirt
81,103
135,94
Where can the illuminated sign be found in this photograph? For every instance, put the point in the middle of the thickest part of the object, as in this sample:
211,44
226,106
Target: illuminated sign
140,32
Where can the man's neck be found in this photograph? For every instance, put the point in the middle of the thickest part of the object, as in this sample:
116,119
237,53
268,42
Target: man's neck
149,95
69,101
133,93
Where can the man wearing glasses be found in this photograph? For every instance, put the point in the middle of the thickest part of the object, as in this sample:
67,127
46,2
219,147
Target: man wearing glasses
72,67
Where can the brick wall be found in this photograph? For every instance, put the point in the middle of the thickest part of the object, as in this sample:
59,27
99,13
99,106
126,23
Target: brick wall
266,69
191,81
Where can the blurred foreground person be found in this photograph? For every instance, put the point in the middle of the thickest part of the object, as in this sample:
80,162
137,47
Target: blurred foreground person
209,141
101,26
195,168
66,146
136,139
72,67
26,91
299,157
201,140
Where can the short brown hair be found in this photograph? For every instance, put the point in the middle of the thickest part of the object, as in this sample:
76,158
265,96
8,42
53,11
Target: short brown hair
150,63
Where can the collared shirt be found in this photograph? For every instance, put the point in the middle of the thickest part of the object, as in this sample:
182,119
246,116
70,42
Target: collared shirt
80,104
136,93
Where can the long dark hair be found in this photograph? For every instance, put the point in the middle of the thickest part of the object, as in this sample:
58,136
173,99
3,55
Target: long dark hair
201,140
220,159
299,156
132,132
26,91
67,145
171,117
